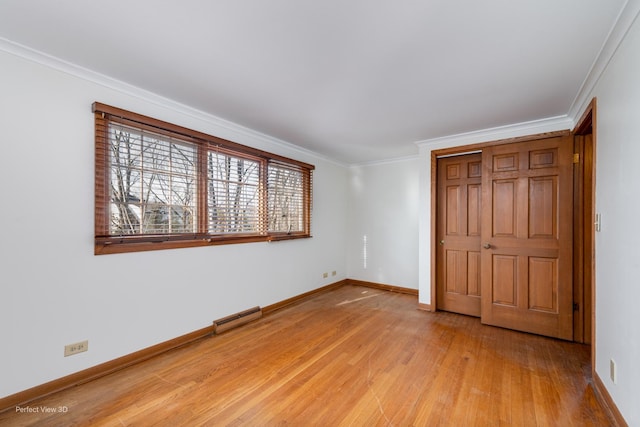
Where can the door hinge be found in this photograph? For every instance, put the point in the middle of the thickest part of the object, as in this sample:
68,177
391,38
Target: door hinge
576,306
576,157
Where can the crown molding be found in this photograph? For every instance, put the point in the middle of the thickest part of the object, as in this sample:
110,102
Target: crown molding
385,161
628,15
533,127
124,88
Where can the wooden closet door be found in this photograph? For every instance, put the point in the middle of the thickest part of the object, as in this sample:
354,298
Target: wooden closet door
458,230
526,255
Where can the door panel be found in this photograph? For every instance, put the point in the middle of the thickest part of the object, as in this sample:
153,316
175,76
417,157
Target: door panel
543,297
543,220
455,269
474,197
473,273
504,203
504,283
453,210
458,257
526,260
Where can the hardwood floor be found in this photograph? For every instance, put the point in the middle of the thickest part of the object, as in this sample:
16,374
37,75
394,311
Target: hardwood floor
353,356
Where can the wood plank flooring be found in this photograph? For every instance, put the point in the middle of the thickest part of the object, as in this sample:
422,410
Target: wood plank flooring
353,356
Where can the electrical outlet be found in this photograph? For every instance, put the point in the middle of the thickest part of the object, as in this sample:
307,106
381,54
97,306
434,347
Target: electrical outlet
325,275
333,273
612,371
79,347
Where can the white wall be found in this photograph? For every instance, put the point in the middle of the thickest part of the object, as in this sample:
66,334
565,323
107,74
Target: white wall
383,223
617,251
56,292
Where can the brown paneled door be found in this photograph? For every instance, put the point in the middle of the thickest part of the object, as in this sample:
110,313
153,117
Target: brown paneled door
458,228
526,237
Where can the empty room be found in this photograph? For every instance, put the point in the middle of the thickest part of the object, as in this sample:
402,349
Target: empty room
353,213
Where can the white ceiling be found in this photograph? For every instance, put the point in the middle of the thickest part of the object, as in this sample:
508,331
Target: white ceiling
354,80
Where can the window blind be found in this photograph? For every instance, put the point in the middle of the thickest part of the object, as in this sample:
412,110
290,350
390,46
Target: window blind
286,197
153,183
159,185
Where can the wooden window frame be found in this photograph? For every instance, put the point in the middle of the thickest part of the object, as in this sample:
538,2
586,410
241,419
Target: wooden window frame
106,243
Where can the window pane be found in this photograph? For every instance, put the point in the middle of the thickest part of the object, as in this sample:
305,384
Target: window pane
285,199
153,183
233,194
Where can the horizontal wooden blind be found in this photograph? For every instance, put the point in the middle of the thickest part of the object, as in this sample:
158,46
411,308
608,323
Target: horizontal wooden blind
286,196
160,183
153,183
233,194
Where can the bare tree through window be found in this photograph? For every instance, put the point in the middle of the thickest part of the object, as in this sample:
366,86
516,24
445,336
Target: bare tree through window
153,183
233,202
285,199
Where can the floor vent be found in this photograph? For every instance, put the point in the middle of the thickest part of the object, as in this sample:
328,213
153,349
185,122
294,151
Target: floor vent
236,320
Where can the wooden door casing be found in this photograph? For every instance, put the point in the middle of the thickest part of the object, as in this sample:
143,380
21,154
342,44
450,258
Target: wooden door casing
458,230
526,255
583,229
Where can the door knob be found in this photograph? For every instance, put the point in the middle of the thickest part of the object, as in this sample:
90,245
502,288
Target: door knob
441,242
487,246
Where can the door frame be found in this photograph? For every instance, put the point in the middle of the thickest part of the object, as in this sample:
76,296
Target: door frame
584,126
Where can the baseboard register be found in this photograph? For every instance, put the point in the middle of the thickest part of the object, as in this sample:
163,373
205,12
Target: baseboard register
235,320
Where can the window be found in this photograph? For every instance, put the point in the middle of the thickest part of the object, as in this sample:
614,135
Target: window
153,183
161,186
285,205
233,194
